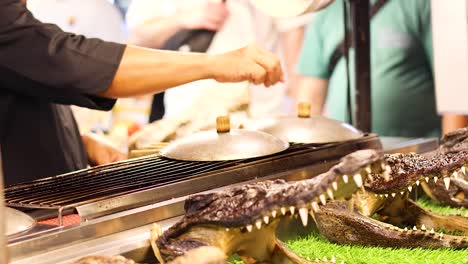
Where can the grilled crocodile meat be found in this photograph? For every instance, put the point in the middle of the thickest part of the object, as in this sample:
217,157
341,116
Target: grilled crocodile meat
399,222
455,194
243,220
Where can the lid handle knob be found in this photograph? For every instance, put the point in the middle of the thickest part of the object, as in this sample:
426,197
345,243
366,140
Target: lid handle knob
303,110
223,124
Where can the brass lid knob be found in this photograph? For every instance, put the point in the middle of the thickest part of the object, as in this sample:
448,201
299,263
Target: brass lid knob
223,124
303,110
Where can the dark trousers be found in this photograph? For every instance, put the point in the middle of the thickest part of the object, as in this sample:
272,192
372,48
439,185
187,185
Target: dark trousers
157,107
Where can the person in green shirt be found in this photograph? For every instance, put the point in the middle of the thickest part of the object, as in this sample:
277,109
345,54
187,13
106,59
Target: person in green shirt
403,95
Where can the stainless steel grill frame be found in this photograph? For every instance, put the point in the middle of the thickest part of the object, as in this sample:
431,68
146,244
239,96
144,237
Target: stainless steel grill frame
129,184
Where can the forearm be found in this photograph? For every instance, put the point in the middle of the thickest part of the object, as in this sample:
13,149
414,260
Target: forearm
451,122
314,91
155,32
144,71
291,44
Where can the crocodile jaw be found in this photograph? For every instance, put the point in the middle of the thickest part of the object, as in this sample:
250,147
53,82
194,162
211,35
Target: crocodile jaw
258,243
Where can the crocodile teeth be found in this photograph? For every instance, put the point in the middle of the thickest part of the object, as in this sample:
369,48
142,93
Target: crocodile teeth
330,194
417,182
304,214
249,228
358,179
466,215
463,170
410,188
406,229
393,195
227,229
292,209
345,178
441,235
415,228
325,260
382,165
323,200
435,179
458,212
333,259
447,182
427,179
387,172
423,227
283,210
266,219
432,231
335,186
258,224
455,174
311,212
386,195
273,213
402,193
315,206
368,170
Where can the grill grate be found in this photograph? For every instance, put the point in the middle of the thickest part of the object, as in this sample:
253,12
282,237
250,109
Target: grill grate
117,179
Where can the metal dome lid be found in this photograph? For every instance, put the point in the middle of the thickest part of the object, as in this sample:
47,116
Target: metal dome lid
307,129
224,143
17,221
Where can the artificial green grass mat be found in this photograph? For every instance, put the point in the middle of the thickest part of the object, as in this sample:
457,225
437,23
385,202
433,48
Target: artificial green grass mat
438,208
314,245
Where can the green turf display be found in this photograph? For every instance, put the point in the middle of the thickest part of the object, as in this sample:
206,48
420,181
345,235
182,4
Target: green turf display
315,245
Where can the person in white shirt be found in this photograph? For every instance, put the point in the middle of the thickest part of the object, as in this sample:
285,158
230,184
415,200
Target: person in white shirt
237,22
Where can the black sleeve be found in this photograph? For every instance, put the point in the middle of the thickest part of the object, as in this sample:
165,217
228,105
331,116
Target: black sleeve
40,60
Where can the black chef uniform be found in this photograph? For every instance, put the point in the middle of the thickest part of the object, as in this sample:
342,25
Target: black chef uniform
42,71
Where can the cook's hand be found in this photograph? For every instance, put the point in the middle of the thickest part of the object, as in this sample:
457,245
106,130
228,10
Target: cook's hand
211,15
100,151
247,64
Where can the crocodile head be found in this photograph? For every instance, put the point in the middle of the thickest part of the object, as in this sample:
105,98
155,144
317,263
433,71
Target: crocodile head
454,141
453,145
384,215
243,220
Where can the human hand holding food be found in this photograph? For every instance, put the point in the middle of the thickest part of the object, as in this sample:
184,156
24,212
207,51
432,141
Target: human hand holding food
250,63
100,151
